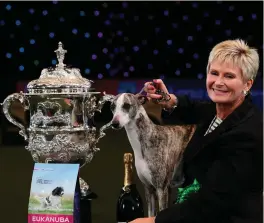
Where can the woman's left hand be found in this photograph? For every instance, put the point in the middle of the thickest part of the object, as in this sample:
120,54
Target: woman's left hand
144,220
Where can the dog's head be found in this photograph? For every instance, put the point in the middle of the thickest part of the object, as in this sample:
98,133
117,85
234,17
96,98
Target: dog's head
125,108
58,191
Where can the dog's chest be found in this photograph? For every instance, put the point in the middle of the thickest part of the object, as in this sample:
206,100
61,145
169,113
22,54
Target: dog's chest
142,166
143,171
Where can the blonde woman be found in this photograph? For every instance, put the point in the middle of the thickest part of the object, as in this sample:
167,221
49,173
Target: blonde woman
223,161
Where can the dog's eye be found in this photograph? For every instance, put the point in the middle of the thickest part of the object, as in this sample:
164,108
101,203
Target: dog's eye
126,106
112,106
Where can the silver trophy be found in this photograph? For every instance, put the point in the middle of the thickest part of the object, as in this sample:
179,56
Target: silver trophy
61,104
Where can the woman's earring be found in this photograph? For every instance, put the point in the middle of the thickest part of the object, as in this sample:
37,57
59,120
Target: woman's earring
245,92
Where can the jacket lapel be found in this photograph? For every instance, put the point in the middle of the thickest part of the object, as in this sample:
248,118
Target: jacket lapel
199,141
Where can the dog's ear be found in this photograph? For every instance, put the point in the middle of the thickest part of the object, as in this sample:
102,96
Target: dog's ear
142,98
54,191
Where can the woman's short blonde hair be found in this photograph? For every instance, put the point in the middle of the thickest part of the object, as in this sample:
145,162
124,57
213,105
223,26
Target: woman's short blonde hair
239,54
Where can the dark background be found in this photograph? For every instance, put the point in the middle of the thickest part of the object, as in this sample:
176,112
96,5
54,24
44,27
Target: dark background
131,41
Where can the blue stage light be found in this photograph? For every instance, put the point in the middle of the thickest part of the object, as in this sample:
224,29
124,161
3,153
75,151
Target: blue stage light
82,13
87,71
51,35
8,55
180,50
31,11
150,66
107,22
32,41
136,48
21,68
105,50
198,27
44,12
107,66
124,4
100,76
131,68
194,5
87,35
196,56
74,31
178,72
121,15
169,41
21,50
190,38
185,17
119,33
166,13
200,76
18,22
228,32
254,16
217,22
8,7
206,14
157,30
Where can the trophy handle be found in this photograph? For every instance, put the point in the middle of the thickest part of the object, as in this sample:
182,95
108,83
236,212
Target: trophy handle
105,98
101,102
6,106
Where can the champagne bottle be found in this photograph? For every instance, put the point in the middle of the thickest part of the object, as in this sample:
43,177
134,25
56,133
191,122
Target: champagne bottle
129,205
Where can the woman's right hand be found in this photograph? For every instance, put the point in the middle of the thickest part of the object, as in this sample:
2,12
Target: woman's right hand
158,84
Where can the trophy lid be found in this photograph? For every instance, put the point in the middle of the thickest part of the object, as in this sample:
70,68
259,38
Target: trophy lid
60,79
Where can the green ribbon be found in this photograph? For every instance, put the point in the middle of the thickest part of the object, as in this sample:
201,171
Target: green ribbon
183,193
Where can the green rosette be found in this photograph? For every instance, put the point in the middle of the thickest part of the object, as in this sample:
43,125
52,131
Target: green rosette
183,193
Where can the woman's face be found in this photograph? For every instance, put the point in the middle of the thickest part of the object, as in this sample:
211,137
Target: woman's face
225,83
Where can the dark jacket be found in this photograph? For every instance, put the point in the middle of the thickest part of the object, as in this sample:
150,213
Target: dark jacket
227,163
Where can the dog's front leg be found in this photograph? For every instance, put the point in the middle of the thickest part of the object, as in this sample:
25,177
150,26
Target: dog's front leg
150,199
163,198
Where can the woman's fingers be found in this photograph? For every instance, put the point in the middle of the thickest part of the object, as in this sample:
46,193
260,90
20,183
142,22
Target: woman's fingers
160,85
154,96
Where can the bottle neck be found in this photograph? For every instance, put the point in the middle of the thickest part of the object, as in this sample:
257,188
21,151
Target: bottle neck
128,174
